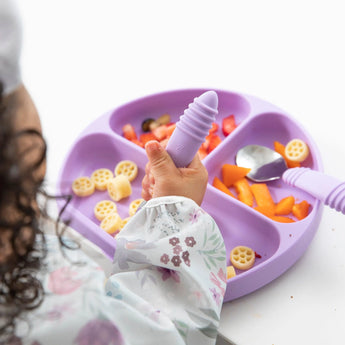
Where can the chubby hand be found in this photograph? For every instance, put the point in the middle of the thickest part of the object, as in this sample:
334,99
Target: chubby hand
163,178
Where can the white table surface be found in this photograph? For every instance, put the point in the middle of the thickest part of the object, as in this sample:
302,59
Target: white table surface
82,58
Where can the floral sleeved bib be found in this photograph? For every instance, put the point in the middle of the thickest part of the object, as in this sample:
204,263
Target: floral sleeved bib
167,285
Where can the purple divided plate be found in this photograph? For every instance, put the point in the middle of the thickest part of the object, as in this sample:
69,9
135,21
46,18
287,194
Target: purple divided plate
280,245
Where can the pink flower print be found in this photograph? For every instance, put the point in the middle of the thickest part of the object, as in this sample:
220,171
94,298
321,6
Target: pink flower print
64,281
136,244
165,258
198,295
221,275
99,332
216,282
194,216
177,249
132,245
58,311
185,257
167,273
215,295
123,256
190,241
176,260
174,241
53,314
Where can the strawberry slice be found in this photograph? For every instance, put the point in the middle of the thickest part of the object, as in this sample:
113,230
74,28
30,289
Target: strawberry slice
228,124
206,144
214,142
214,128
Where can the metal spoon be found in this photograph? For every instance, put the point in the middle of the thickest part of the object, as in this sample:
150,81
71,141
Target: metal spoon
267,165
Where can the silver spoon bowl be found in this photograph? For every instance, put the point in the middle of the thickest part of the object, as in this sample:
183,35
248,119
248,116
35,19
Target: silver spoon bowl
265,164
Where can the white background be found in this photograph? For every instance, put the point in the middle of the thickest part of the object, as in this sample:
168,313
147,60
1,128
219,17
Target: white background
81,58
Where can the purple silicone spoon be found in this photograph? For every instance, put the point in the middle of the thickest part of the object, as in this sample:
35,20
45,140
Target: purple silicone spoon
268,165
192,128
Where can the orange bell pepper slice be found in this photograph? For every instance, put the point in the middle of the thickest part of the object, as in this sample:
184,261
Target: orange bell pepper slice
264,211
232,173
263,197
284,206
301,210
217,183
244,192
282,219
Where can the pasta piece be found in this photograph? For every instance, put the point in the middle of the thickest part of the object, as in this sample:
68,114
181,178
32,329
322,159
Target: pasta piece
133,207
119,188
104,208
242,257
111,223
101,177
83,186
128,169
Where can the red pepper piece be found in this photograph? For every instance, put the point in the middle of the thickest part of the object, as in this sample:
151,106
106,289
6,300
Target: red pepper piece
228,124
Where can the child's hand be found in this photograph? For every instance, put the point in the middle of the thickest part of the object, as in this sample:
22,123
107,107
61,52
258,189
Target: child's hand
163,178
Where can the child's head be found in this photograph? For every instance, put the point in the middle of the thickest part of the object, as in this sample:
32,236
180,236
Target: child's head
22,155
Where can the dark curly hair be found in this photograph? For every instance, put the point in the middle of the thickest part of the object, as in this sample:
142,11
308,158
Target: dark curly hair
22,243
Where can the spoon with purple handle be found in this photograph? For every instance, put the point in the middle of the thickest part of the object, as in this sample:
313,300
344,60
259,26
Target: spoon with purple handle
267,165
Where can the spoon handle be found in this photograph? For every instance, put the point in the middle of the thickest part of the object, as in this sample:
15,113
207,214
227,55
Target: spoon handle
328,189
